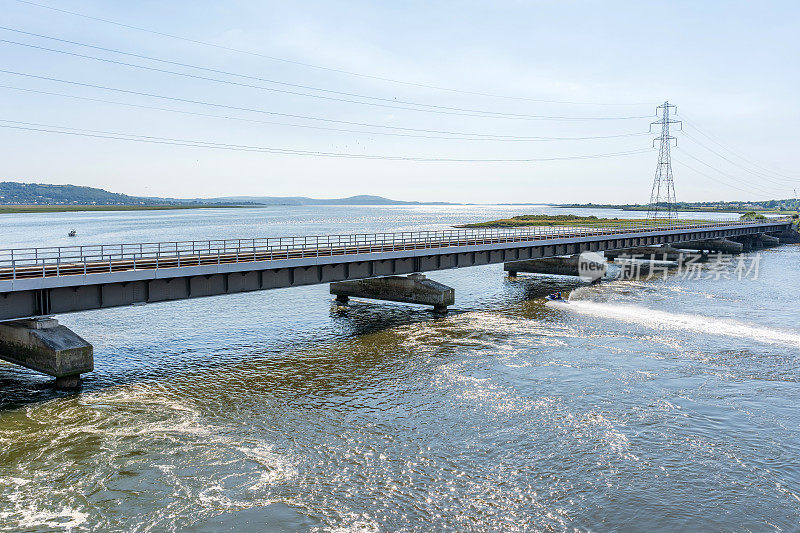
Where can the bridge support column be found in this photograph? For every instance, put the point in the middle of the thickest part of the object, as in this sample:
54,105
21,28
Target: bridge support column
790,236
768,241
661,255
657,253
43,345
414,289
748,242
725,246
576,265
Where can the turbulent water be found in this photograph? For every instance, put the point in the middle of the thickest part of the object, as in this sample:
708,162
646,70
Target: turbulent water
657,404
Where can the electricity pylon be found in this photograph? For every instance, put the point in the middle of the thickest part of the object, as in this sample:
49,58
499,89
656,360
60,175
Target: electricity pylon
662,197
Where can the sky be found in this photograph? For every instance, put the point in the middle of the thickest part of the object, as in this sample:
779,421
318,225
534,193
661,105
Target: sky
481,102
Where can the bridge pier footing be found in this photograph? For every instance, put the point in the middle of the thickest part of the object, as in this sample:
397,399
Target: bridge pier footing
789,236
725,246
42,344
768,241
657,253
748,242
576,265
415,289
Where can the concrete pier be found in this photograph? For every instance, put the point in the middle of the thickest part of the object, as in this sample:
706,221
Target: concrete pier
748,242
559,266
768,241
662,253
634,268
789,237
757,241
585,266
725,246
43,345
414,289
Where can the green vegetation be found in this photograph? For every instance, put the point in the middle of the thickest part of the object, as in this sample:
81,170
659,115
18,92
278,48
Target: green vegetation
752,215
70,208
781,207
564,220
44,198
13,193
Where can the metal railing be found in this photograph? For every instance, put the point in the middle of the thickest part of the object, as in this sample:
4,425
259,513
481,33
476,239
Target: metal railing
76,260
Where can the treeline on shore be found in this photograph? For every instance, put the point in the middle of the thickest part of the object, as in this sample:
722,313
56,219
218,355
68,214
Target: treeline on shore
787,206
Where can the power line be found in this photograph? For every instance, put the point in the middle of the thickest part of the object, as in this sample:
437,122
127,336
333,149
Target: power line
46,128
389,102
763,172
486,138
760,175
319,67
731,150
747,183
727,184
443,111
237,108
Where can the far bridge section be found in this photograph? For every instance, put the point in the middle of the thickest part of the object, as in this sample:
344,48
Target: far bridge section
40,282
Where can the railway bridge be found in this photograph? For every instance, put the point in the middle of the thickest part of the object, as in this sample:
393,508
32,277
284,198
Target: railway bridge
36,283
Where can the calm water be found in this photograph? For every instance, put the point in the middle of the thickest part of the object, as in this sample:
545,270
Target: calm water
663,404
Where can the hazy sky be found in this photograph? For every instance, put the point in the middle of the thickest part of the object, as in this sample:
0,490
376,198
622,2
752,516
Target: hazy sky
731,68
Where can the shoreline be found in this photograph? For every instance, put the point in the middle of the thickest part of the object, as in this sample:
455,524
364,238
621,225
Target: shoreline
14,209
63,208
520,221
698,209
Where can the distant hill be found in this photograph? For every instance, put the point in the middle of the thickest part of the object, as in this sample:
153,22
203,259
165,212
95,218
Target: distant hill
15,193
362,199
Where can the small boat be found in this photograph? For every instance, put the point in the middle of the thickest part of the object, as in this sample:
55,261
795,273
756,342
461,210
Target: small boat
555,297
72,233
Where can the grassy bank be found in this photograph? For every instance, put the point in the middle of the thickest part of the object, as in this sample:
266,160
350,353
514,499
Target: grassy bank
721,210
685,208
563,220
78,208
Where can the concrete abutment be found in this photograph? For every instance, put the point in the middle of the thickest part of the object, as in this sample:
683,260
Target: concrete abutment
414,289
43,345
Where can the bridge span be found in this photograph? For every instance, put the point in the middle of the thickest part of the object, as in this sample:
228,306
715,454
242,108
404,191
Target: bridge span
44,281
39,282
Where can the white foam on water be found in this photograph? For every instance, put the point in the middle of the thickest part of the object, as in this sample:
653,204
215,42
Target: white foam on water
25,513
677,321
275,467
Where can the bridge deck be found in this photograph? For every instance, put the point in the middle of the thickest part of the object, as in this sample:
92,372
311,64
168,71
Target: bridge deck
64,267
44,281
30,263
